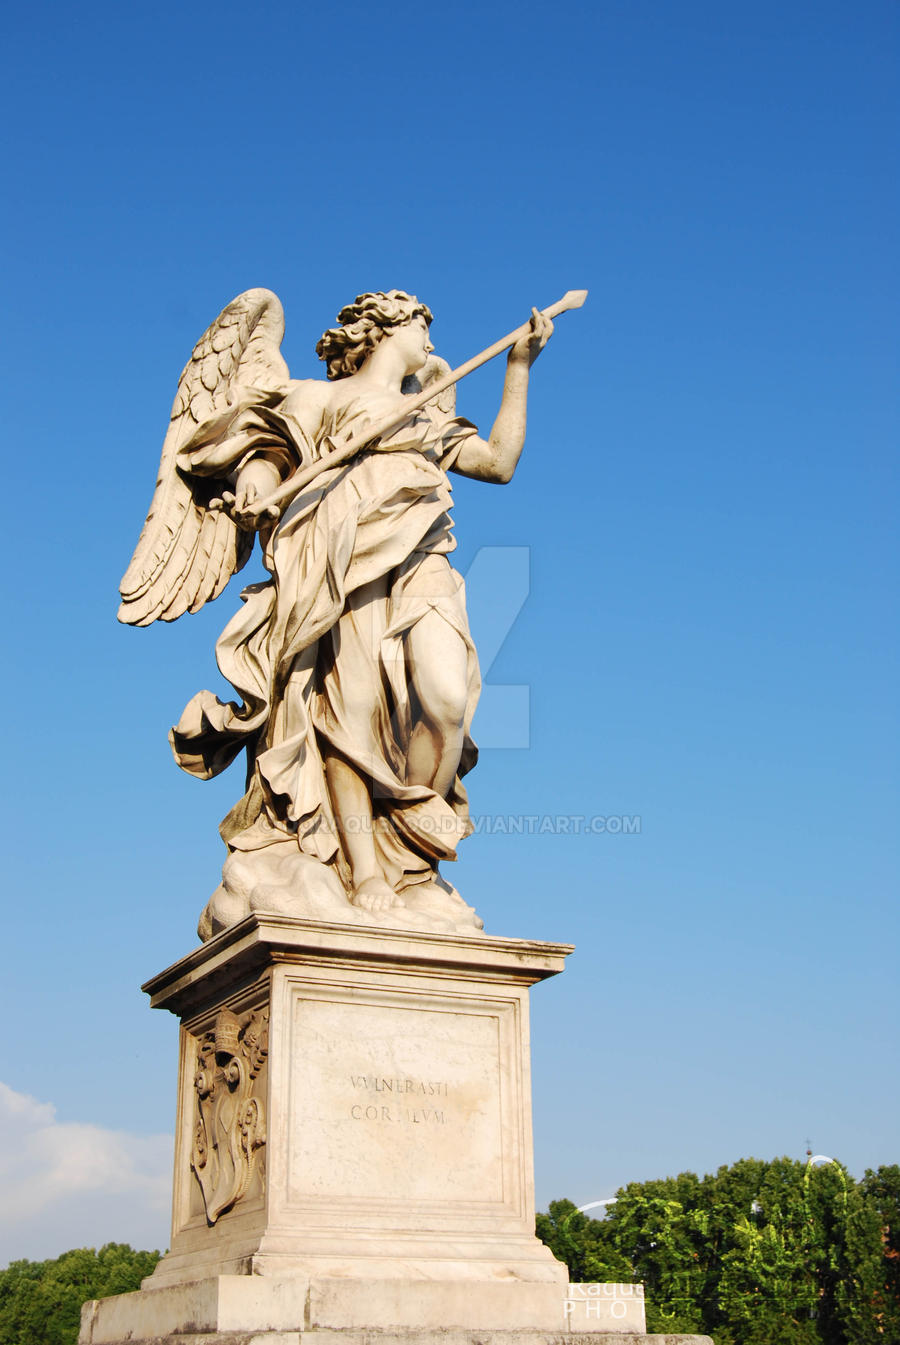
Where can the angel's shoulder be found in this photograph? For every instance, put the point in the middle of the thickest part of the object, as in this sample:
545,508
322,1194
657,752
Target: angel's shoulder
307,400
308,392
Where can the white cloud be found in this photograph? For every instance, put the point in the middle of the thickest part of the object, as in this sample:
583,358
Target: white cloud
70,1184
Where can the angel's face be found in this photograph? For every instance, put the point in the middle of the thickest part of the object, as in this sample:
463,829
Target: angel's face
411,340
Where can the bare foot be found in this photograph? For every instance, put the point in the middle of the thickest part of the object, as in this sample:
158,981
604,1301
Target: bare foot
374,894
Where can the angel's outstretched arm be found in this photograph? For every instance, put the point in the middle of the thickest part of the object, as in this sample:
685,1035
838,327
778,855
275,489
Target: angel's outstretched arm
496,458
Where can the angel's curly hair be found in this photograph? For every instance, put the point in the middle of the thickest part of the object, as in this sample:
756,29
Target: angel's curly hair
363,324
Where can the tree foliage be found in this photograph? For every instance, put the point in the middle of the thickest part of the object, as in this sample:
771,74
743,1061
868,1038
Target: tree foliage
760,1253
40,1301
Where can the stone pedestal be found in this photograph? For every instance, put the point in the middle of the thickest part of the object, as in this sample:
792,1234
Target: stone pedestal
354,1123
353,1151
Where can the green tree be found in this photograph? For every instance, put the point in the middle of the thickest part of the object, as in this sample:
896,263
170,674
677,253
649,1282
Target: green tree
880,1191
759,1253
660,1230
768,1288
40,1301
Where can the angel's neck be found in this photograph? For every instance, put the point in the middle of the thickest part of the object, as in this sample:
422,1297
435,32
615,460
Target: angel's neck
383,372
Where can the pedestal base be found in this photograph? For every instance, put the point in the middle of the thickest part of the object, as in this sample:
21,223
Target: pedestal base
251,1310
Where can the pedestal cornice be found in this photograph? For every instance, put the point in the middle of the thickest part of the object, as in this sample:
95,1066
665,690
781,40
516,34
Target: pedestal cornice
263,940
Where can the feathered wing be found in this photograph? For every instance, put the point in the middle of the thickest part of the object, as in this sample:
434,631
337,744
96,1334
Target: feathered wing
187,551
433,369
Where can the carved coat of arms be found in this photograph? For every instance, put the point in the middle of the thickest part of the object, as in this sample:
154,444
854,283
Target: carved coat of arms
231,1123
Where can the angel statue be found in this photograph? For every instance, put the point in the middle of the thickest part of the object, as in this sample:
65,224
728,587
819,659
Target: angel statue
353,661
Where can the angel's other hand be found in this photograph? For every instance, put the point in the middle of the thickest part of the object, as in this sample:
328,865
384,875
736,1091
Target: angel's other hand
527,348
242,510
256,480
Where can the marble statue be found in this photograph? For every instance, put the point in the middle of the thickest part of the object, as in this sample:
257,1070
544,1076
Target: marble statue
353,662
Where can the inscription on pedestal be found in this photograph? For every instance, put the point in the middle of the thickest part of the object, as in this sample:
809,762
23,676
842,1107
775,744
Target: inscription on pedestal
398,1100
394,1102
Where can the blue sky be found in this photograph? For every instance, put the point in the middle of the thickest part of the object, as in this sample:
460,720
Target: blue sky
706,498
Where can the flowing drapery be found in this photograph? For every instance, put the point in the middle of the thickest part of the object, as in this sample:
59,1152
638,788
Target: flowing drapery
317,653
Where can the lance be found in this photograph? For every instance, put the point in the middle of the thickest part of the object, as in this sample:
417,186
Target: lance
274,504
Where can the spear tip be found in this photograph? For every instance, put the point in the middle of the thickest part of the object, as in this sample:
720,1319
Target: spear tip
571,299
